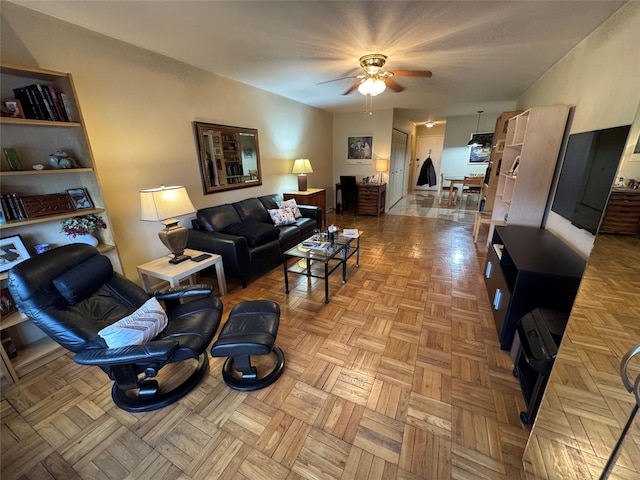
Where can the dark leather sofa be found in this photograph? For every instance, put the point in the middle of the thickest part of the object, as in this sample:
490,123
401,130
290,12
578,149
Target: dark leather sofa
245,236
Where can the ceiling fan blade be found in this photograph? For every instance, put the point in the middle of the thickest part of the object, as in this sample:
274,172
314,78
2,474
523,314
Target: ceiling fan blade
413,73
341,78
393,85
355,85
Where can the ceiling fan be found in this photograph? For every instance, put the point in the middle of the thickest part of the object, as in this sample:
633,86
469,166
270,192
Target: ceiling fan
374,80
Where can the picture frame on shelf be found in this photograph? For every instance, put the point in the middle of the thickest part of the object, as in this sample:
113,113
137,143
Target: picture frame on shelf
80,198
7,305
12,252
514,166
11,108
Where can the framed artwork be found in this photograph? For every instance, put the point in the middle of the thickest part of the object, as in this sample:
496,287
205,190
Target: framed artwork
7,305
480,153
12,252
80,199
360,150
10,107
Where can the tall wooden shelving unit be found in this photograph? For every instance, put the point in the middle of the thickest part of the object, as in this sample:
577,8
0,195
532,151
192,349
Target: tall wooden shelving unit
35,140
535,137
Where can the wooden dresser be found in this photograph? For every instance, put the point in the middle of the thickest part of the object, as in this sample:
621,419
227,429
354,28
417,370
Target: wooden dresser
372,198
312,196
622,214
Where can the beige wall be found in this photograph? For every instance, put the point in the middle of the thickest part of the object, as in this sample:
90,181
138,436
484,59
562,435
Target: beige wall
356,124
601,78
139,107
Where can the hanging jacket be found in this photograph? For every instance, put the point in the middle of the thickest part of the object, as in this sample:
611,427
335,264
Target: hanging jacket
427,173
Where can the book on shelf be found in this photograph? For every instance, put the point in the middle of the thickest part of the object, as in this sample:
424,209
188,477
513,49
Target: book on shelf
56,101
13,160
28,105
65,105
41,102
12,207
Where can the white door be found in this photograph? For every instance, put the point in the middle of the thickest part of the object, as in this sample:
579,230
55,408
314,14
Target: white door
428,146
396,165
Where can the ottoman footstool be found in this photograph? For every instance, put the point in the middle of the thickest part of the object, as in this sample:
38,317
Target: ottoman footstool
251,329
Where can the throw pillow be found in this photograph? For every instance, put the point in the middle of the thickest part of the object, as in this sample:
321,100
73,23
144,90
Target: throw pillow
292,205
256,233
282,216
140,327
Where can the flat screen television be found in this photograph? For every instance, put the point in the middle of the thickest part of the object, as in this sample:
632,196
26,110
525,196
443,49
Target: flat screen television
588,171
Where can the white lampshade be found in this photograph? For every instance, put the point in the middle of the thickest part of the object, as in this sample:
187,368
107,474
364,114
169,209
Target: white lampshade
302,165
163,204
158,204
372,86
382,165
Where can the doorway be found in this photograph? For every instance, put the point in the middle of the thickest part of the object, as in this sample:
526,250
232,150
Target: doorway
427,146
396,165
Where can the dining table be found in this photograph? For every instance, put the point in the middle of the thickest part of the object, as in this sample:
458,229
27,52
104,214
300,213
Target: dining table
465,181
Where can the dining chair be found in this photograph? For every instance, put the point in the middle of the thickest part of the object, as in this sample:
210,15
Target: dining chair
447,190
472,185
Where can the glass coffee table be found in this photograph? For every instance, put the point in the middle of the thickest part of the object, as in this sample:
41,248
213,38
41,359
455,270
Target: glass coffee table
319,259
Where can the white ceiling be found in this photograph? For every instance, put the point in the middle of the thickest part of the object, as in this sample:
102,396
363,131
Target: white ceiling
481,53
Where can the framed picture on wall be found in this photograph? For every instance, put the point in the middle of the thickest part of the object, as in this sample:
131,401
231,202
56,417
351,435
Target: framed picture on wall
480,153
360,150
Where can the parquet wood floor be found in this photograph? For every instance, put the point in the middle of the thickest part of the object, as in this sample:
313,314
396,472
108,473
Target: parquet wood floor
399,376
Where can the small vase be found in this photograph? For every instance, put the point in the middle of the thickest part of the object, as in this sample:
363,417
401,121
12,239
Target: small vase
88,239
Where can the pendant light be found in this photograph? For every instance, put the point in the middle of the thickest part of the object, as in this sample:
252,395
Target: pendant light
474,142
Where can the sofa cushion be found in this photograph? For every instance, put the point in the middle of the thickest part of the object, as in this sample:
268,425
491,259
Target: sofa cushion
291,203
216,219
270,201
282,216
256,233
290,235
252,209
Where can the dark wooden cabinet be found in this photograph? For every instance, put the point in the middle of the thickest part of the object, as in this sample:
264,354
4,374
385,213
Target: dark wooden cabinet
372,198
622,214
528,268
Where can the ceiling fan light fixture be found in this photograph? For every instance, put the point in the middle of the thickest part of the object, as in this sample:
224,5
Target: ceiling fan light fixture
372,86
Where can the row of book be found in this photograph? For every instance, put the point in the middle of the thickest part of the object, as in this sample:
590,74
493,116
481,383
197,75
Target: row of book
42,102
12,207
234,169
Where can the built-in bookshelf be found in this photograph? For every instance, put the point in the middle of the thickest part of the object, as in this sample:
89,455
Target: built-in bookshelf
38,131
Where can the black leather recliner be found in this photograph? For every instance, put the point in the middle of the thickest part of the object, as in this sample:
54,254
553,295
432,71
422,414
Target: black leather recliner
72,292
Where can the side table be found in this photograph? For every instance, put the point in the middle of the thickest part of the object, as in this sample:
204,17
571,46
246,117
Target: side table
161,268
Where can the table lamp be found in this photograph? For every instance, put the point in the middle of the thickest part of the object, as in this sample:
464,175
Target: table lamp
163,204
302,166
382,166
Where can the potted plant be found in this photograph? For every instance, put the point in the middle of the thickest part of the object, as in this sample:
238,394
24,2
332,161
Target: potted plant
80,229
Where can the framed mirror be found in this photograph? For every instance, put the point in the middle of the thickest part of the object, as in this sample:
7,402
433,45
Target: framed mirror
229,157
